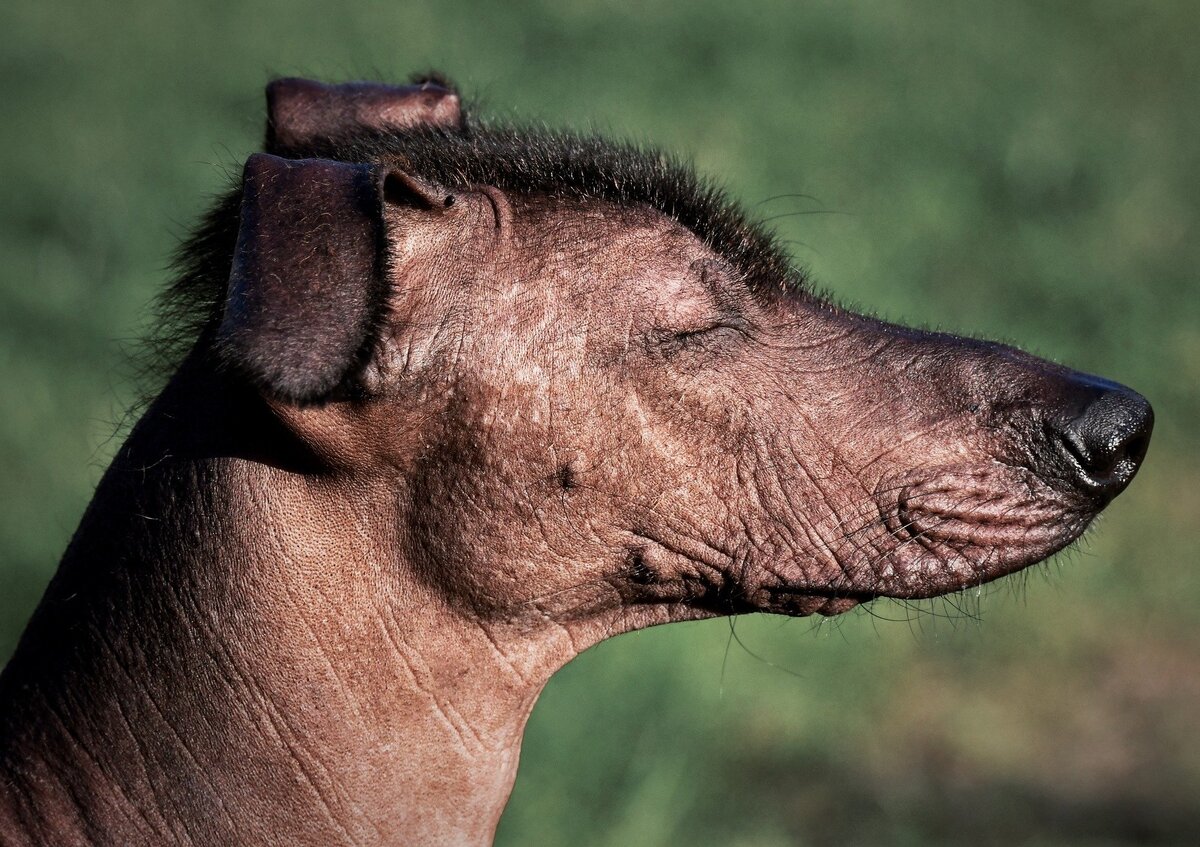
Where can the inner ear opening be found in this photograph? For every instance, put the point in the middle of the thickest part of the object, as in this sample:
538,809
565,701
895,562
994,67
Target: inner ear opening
400,189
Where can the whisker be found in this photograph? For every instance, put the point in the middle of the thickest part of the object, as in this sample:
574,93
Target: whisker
790,196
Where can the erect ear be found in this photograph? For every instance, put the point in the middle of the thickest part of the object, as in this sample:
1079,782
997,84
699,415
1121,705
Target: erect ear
303,115
307,286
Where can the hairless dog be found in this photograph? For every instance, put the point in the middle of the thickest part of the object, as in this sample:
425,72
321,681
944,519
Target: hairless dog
457,402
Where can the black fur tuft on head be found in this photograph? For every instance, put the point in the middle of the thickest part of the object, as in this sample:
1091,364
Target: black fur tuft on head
520,161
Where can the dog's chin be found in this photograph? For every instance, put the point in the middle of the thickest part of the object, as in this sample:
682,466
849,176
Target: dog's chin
946,537
942,532
942,567
935,568
801,605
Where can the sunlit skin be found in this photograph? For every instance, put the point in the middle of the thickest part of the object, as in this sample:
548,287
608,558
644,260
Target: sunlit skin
321,587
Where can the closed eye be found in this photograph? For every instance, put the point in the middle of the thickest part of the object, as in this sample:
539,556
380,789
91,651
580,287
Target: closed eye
689,335
729,331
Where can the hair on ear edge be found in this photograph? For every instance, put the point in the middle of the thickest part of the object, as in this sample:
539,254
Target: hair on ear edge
303,357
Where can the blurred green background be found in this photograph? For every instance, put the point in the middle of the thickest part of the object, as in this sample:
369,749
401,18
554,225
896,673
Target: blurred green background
1021,170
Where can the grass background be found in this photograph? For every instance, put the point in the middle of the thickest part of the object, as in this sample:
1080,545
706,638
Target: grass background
1022,170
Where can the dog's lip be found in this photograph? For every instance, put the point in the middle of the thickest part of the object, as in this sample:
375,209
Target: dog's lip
931,567
839,605
804,601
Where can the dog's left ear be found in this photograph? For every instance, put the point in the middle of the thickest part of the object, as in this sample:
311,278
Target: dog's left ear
306,285
305,118
308,282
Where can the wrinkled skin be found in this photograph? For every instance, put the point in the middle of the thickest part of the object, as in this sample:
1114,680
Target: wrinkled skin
689,448
302,616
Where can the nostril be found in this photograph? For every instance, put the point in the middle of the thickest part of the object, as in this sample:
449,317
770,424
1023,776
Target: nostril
1075,448
1135,448
1108,439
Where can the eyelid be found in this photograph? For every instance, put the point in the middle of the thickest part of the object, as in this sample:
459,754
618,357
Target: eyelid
725,313
732,320
704,338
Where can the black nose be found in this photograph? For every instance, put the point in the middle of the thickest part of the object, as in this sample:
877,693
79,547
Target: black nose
1106,441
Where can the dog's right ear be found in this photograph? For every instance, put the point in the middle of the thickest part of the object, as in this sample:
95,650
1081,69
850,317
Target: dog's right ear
305,118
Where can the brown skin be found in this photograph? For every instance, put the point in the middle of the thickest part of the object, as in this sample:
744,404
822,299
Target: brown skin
327,622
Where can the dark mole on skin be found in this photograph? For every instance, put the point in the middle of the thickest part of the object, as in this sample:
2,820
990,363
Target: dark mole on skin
566,477
638,570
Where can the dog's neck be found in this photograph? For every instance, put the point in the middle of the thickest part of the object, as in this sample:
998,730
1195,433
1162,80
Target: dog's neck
317,693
